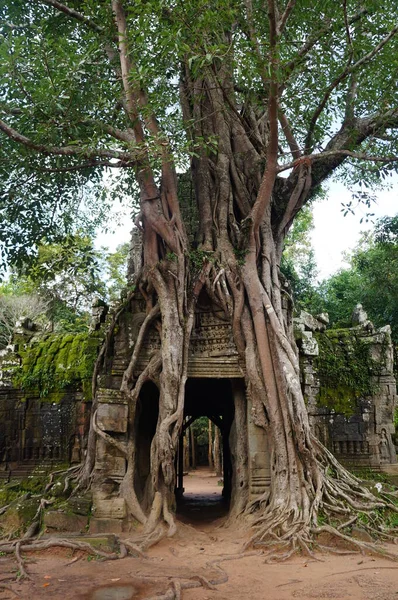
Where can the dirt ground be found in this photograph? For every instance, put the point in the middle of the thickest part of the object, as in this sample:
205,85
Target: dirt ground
202,548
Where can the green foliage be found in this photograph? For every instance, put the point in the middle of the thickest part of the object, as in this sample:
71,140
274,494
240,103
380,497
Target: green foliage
340,294
240,254
345,369
298,263
201,430
69,272
60,89
197,258
52,363
115,266
372,280
171,256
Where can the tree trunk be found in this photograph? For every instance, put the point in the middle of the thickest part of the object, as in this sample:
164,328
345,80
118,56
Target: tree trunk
210,446
217,452
193,448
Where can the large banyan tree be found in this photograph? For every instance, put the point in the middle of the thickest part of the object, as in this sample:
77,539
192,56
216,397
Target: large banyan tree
260,102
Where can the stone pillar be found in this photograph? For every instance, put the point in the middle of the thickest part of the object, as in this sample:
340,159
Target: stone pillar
259,457
109,510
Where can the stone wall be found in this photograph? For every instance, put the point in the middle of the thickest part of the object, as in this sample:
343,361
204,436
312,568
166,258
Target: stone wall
37,431
41,428
361,436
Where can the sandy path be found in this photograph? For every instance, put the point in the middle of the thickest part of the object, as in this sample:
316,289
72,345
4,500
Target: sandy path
199,542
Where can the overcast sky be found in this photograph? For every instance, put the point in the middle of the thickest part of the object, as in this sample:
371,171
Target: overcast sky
333,234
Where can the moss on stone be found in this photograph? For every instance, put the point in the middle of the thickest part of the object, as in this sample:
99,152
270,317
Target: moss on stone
345,369
52,363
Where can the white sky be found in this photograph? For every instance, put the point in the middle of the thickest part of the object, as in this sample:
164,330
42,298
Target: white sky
333,235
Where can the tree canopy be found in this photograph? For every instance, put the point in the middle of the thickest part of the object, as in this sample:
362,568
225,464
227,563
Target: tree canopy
56,287
65,121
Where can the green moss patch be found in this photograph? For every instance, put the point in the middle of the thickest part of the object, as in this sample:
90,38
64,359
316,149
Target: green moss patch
345,369
52,363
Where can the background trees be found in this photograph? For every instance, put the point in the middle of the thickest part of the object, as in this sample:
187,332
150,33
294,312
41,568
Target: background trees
56,287
371,279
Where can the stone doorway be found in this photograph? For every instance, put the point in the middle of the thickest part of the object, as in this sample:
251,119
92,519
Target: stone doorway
200,491
145,426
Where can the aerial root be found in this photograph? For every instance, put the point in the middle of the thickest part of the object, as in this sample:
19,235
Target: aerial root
331,550
177,585
22,572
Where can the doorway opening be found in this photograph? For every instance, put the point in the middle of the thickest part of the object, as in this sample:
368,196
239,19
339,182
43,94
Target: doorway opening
146,418
204,463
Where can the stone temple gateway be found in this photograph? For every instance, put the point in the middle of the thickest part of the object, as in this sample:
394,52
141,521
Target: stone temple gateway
215,389
34,431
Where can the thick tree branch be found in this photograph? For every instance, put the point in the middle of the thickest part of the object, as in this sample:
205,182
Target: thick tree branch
154,218
87,165
291,140
323,164
71,12
337,153
311,42
265,192
66,150
132,100
285,16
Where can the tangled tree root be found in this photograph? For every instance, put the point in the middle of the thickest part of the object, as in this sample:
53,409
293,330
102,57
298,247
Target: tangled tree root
341,501
16,547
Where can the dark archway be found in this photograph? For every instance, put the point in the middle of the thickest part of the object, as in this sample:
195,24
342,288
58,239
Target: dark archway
145,426
214,399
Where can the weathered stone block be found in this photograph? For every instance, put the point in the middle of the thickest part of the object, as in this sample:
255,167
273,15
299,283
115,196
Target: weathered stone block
106,525
114,508
309,345
311,323
112,465
112,417
110,460
61,521
80,505
109,396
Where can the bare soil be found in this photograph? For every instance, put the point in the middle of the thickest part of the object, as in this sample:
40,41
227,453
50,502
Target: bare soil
203,547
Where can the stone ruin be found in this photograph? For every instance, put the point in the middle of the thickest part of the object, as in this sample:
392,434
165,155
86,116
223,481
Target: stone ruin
366,437
36,433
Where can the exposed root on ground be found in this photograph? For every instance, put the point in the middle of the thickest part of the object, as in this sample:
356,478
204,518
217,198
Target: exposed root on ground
178,584
8,588
341,501
16,547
